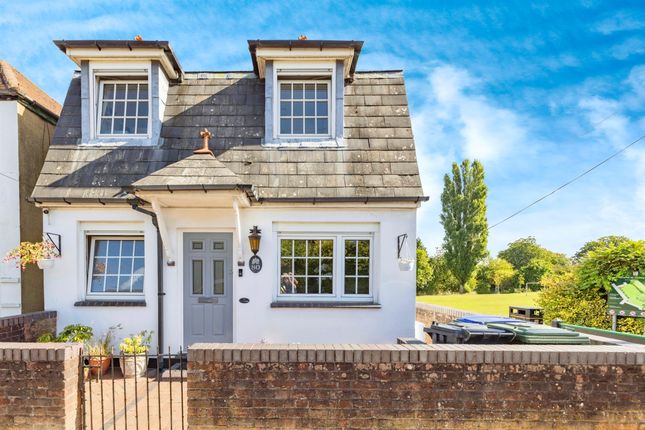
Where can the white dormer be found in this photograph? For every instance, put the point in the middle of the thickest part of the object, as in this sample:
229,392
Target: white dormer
304,89
124,85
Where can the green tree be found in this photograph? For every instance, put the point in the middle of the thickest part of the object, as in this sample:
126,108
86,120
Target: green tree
602,267
595,245
442,280
532,261
424,269
495,274
463,218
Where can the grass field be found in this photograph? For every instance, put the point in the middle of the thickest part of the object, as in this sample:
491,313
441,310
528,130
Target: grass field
492,304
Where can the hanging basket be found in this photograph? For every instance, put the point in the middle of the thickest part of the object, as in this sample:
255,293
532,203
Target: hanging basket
406,264
47,263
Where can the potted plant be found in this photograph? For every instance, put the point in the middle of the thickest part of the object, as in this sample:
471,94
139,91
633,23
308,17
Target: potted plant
41,253
100,352
134,354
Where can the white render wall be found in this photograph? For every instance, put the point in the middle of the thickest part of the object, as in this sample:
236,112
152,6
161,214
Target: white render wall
255,321
10,208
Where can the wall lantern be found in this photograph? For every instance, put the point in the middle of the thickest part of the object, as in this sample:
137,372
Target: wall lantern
254,239
255,262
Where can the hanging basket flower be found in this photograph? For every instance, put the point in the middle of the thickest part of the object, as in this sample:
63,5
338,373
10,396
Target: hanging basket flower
41,253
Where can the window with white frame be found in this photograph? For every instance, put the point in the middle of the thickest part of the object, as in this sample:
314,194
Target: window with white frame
123,108
116,265
304,108
326,267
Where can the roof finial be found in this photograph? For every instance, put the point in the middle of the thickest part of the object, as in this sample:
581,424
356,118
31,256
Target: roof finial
138,38
302,37
205,135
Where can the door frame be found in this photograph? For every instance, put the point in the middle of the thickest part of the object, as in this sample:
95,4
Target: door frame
179,280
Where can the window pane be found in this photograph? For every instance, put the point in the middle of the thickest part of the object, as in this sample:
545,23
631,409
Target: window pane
350,248
285,126
363,266
132,92
285,108
108,91
300,285
350,285
313,248
218,245
112,266
218,276
118,126
313,266
310,126
363,285
310,91
286,247
297,91
143,92
131,109
119,108
197,244
142,126
297,126
137,284
297,108
363,248
350,267
321,91
124,283
321,109
127,248
327,266
285,91
137,266
287,284
108,109
130,126
322,126
100,248
300,248
138,248
198,276
99,266
327,248
106,126
120,91
143,109
327,286
285,266
125,268
299,266
97,284
313,285
111,283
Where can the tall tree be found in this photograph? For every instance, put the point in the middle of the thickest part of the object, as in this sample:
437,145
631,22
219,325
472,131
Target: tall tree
463,218
531,260
595,245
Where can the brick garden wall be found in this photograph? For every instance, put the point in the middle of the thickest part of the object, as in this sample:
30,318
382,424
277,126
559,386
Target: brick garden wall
39,386
415,386
27,327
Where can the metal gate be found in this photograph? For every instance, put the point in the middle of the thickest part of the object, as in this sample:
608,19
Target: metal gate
150,394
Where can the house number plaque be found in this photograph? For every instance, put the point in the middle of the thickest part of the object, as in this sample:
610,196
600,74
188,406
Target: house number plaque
255,264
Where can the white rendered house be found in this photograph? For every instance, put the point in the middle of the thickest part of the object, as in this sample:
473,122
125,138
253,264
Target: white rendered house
156,176
27,119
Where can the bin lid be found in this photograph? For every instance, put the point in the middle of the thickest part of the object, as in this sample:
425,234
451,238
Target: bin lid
534,329
485,319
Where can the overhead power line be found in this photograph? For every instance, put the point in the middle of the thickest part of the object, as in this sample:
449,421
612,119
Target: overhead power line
9,177
615,154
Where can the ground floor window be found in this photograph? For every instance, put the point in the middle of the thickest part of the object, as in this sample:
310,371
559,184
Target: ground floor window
116,265
330,267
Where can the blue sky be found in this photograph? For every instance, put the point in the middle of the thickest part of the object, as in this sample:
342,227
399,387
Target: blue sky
538,91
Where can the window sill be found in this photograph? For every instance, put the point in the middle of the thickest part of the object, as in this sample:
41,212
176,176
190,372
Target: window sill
305,142
327,305
110,303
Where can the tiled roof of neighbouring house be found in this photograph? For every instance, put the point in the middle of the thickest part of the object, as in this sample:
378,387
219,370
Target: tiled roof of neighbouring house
378,161
15,84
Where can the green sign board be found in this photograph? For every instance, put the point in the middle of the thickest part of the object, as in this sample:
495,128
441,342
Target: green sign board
627,297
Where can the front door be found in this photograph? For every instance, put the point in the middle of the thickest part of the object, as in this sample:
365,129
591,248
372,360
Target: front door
208,282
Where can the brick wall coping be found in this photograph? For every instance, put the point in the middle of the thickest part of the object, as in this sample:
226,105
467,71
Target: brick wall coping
28,351
444,310
33,316
391,353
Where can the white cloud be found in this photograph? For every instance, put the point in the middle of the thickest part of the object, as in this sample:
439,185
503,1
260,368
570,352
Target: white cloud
631,46
621,21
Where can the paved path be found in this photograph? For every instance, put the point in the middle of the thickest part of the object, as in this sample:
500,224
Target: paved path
135,405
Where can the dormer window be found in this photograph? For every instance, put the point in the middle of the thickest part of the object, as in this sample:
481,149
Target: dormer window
304,108
124,108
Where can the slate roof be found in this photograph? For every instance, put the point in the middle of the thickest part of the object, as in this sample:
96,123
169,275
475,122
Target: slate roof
378,162
15,84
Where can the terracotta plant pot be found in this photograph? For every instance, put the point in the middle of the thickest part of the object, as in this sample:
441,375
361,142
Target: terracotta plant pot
45,264
134,365
99,366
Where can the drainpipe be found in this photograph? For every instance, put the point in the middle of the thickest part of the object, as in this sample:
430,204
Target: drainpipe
160,292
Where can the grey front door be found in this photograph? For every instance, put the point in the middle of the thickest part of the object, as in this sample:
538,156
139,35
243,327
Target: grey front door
208,282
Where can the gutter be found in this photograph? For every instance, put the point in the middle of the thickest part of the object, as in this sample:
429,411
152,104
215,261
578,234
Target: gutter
160,292
365,200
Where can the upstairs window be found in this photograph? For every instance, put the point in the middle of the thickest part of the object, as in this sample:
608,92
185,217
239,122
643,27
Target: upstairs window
304,108
123,108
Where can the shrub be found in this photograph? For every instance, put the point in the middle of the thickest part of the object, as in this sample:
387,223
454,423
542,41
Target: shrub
602,267
136,344
71,333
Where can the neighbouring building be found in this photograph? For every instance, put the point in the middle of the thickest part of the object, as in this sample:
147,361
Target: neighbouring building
156,176
27,119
